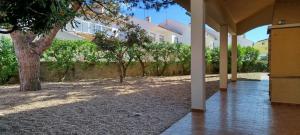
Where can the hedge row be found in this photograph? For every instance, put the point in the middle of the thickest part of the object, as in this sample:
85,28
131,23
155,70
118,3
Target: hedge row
66,53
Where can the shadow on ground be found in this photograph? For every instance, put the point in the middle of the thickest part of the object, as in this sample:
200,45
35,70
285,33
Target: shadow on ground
139,106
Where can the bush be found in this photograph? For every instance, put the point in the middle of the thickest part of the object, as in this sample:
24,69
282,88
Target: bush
65,53
213,58
8,61
247,60
162,55
183,55
261,66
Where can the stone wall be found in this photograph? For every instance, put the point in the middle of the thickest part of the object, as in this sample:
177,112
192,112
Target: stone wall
82,71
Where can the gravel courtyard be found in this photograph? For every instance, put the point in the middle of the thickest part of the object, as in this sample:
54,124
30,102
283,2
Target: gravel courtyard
140,106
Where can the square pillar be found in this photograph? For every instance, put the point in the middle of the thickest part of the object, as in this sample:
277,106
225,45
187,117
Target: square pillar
198,57
223,57
234,58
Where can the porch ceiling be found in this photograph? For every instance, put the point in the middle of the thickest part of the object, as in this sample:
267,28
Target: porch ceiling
240,15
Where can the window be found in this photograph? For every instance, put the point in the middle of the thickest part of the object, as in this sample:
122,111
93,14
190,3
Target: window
78,26
106,29
92,28
161,38
85,27
175,39
98,28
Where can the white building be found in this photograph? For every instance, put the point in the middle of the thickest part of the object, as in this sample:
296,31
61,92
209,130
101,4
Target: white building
169,31
159,34
212,37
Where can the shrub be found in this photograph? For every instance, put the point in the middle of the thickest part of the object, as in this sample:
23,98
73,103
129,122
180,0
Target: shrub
65,53
8,61
162,55
183,56
261,66
141,55
247,58
213,58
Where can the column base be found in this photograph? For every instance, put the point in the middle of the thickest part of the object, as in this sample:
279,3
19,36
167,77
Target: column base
233,80
286,104
197,110
223,89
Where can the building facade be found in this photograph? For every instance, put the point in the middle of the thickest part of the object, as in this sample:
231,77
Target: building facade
212,39
84,29
169,31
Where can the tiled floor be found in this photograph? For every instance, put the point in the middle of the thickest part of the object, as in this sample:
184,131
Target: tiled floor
243,110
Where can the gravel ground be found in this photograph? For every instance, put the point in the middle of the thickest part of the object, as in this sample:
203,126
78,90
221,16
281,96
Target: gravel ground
140,106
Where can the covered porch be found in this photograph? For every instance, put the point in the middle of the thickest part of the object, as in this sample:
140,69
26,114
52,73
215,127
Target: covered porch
244,109
235,17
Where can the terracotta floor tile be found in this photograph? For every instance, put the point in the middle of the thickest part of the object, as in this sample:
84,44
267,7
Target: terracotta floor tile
244,109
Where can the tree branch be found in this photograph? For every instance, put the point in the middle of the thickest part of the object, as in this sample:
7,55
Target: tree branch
46,41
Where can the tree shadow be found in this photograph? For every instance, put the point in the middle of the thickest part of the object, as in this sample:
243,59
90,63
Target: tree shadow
104,109
139,106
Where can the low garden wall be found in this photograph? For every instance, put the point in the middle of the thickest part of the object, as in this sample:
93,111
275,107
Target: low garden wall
82,71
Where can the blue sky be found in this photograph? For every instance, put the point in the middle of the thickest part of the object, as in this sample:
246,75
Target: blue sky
177,13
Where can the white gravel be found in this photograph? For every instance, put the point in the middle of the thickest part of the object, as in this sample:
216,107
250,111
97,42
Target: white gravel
140,106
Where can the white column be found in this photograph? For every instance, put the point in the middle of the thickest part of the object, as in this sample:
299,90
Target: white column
234,58
223,57
198,57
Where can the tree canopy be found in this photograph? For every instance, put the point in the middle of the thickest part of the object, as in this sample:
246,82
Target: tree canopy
40,16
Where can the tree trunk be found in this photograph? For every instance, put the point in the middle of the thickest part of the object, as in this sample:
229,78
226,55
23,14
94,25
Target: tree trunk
125,67
183,69
29,64
121,71
29,71
165,64
28,48
142,66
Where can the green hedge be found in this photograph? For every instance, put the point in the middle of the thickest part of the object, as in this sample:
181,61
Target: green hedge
248,60
8,62
65,53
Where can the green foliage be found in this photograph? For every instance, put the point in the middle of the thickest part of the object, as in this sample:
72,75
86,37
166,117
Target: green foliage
64,54
115,50
213,58
139,40
40,16
125,48
247,59
37,16
162,55
183,55
8,62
